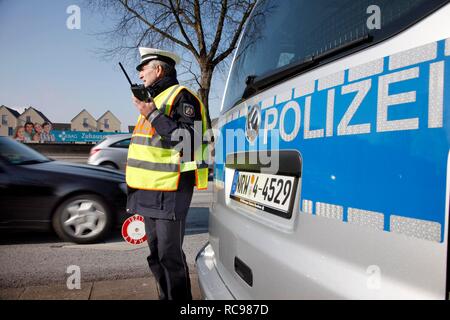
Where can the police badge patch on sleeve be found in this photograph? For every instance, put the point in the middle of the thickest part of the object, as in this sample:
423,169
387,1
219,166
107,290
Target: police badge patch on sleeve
188,110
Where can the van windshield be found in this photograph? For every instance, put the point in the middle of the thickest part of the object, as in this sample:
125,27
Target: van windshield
285,33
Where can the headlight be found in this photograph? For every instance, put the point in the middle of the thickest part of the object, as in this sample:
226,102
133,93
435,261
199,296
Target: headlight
124,187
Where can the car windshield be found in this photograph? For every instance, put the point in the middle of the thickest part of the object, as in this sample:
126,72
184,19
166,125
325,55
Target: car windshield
284,34
17,153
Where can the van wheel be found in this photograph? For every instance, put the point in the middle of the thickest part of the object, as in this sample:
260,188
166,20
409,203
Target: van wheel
82,219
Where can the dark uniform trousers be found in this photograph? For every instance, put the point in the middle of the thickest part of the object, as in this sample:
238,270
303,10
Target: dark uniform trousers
167,260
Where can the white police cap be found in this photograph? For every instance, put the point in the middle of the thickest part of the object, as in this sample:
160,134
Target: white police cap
148,54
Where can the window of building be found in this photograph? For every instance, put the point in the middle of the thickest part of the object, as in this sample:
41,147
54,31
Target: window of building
10,131
106,122
4,119
28,118
85,122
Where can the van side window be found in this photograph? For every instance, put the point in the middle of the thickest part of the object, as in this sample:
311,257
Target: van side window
278,36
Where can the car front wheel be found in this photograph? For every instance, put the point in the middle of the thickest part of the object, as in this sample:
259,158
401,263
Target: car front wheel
82,219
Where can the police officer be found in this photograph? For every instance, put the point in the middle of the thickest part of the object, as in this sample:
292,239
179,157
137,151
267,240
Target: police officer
165,162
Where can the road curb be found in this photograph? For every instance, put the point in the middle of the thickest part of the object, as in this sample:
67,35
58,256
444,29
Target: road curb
121,289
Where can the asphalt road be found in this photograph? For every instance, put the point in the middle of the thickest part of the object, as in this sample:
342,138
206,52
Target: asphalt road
29,259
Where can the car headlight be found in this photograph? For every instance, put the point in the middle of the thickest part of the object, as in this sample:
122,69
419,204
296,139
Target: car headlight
124,188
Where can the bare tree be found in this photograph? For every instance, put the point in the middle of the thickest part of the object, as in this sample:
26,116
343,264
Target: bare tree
207,29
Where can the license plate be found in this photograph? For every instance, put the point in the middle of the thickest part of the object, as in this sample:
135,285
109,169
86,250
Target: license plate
270,193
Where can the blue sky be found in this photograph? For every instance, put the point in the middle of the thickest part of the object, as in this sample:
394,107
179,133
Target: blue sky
59,71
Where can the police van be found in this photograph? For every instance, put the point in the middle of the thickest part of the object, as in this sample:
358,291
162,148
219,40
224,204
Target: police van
332,155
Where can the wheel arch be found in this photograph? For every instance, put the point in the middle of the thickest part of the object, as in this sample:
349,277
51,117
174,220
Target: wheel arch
109,162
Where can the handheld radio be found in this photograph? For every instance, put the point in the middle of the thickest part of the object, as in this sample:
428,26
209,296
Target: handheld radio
139,91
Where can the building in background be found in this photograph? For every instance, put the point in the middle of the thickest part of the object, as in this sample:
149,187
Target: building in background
83,121
108,122
8,121
32,115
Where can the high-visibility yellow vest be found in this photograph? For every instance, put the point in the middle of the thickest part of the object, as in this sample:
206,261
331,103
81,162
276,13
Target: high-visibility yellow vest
155,165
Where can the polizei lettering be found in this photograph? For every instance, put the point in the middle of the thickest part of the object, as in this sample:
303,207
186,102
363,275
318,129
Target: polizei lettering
409,99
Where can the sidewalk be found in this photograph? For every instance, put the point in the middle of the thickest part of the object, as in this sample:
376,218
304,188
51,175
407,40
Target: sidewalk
128,289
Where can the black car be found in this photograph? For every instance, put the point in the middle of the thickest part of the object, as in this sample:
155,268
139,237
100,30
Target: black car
81,203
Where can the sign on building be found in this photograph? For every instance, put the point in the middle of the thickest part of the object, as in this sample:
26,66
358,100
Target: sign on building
79,136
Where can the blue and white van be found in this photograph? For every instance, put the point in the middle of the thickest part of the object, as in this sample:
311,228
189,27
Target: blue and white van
332,162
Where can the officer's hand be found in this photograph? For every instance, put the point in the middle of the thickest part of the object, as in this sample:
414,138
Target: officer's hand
145,108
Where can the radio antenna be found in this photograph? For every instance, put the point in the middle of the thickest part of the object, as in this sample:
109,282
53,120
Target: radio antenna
126,75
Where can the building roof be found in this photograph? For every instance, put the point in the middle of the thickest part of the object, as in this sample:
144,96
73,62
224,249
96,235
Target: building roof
111,114
81,113
14,112
39,113
43,116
